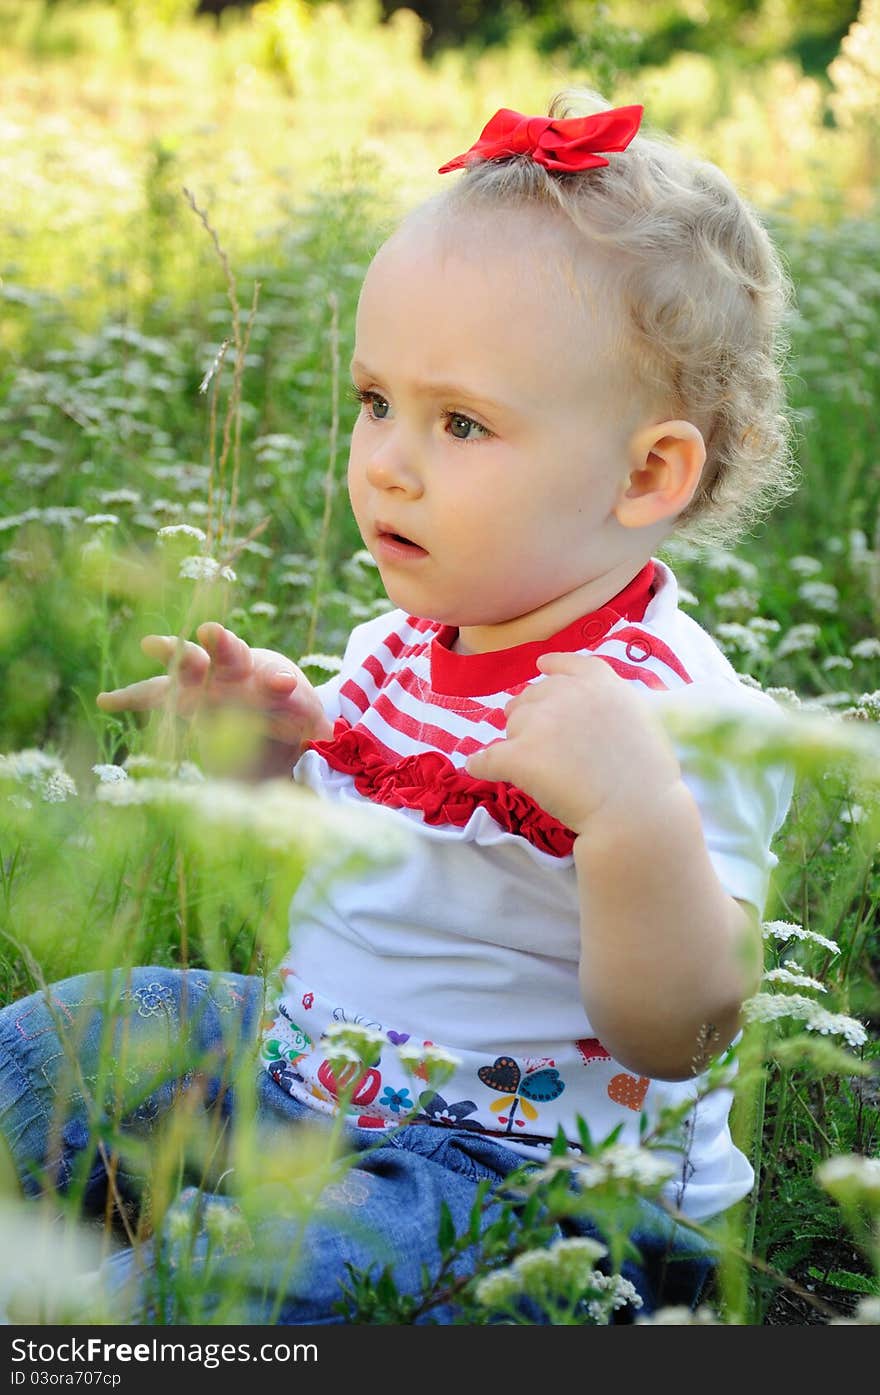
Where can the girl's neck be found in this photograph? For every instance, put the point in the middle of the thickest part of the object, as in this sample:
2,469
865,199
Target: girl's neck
548,619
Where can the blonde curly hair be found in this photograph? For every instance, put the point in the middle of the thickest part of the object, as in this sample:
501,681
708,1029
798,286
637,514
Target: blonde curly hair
705,296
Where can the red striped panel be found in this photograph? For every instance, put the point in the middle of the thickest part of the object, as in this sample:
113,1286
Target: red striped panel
424,732
393,643
355,694
640,675
475,712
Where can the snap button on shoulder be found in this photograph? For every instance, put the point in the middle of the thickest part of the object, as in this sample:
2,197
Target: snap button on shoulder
593,630
638,650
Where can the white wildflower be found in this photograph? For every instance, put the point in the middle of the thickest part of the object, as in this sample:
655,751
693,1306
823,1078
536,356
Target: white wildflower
331,663
341,1054
867,1314
355,1035
858,544
866,648
618,1292
295,579
736,638
576,1252
794,979
821,595
264,608
144,765
225,1225
119,496
58,787
686,597
823,701
101,520
836,661
798,639
205,569
64,517
851,1176
623,1162
738,599
717,560
178,1225
140,766
498,1289
108,773
788,930
30,764
805,566
42,773
561,1271
182,530
680,1316
763,626
363,558
276,814
413,1054
867,707
786,697
770,1007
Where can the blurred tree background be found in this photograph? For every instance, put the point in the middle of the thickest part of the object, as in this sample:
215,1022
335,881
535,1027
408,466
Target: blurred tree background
753,28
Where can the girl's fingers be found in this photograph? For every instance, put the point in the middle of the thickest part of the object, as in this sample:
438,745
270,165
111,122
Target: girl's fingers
137,697
192,662
231,657
281,681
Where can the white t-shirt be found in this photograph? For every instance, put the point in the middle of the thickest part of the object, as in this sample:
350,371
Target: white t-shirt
472,942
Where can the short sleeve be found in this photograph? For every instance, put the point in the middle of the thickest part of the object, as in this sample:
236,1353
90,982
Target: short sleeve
742,806
361,642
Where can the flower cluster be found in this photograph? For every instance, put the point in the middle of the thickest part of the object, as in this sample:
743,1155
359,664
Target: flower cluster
40,773
770,1007
624,1162
199,568
277,815
561,1275
851,1177
788,930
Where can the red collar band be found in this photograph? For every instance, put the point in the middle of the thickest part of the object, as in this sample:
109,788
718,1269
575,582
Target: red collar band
476,675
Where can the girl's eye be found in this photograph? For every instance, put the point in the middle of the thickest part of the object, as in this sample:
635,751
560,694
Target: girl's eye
456,419
376,405
459,423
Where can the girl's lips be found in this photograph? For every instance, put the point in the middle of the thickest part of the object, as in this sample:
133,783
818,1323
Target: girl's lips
395,548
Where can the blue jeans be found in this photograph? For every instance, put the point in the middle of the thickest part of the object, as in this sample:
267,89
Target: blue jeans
103,1066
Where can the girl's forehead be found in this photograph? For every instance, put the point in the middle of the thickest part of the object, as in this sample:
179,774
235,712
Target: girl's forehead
510,315
514,263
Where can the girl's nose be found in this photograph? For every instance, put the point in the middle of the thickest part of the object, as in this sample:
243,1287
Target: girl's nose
392,465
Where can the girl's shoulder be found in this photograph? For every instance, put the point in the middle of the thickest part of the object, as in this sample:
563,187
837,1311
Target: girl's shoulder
368,636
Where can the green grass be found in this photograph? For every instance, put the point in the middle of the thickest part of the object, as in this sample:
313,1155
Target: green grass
106,347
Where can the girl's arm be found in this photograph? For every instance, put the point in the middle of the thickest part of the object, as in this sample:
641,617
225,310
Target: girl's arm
667,956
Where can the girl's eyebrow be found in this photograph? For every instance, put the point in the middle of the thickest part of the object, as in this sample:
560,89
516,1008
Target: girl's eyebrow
429,388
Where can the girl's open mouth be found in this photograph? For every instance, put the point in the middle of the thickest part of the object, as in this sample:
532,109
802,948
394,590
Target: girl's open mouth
396,547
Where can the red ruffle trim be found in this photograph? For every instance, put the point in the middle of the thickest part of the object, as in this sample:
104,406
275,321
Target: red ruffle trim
430,783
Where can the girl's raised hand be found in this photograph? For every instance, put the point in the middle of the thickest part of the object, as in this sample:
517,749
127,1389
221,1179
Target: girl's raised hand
221,670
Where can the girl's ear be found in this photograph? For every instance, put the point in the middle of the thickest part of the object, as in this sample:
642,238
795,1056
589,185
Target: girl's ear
665,464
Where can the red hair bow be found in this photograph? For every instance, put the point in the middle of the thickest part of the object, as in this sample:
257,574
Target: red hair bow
567,145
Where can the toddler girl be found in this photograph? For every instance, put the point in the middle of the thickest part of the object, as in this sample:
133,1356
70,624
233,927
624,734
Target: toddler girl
561,358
